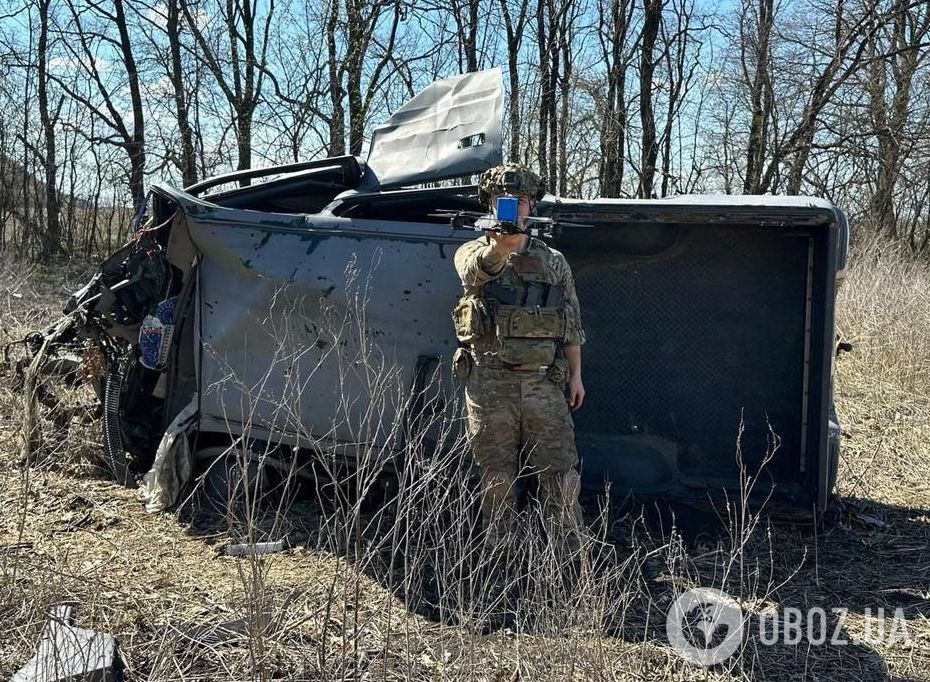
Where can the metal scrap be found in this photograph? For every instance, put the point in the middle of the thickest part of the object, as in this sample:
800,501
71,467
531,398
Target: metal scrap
68,653
252,549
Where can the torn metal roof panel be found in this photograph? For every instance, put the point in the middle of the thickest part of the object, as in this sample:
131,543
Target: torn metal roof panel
451,128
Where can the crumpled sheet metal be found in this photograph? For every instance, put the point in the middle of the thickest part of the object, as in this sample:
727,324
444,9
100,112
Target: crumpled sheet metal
277,351
171,471
423,140
67,653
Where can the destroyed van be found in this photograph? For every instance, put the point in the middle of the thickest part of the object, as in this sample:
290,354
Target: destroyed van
709,319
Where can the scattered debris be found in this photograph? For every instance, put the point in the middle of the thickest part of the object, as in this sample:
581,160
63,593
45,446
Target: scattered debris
67,653
217,633
65,365
251,549
869,521
856,515
73,522
171,471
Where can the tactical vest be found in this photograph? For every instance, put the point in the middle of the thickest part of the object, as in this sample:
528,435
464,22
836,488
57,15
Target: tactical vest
519,318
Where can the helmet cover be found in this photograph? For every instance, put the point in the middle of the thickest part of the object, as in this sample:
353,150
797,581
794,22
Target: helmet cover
509,178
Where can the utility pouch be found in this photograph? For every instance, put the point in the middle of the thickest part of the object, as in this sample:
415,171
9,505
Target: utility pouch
558,372
530,323
461,363
471,319
530,352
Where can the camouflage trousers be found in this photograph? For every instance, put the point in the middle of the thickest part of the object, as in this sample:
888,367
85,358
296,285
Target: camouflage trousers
520,421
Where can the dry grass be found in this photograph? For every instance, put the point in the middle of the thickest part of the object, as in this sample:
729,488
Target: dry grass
393,593
883,388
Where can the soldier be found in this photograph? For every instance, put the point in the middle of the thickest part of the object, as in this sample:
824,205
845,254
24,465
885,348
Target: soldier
519,327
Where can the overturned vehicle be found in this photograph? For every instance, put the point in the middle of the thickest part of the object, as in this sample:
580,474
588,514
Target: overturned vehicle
273,311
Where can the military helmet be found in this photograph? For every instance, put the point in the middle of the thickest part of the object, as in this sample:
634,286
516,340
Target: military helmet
511,178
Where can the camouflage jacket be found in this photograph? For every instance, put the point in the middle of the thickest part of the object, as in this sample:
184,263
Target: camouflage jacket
474,276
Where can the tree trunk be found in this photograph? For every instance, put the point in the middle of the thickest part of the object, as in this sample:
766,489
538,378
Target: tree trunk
514,38
355,56
337,130
676,49
565,82
647,64
244,139
50,239
548,21
760,102
356,120
543,136
241,79
551,171
466,23
613,122
908,31
471,53
136,145
513,102
188,161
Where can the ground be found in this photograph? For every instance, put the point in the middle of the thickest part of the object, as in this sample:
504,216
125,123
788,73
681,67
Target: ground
343,602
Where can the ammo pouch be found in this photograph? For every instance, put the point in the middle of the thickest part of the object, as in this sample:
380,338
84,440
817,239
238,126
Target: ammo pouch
558,372
471,319
461,363
528,336
531,352
532,323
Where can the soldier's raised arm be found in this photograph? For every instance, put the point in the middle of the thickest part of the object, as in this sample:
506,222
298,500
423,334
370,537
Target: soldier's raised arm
478,262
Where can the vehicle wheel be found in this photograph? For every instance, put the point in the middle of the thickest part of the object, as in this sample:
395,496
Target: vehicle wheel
225,482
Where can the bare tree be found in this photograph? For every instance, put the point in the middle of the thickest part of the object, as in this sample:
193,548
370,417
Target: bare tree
235,52
354,48
10,181
566,41
514,35
162,23
297,70
652,19
7,205
48,114
25,53
613,25
756,21
824,98
895,50
680,54
187,159
852,33
546,97
337,119
465,13
553,27
362,20
793,72
91,29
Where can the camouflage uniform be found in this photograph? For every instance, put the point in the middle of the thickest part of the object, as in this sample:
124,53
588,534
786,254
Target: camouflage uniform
520,417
